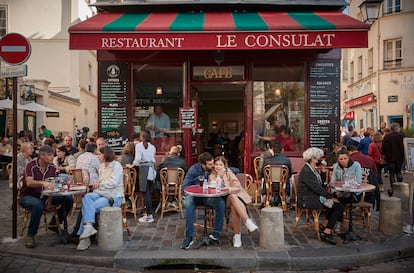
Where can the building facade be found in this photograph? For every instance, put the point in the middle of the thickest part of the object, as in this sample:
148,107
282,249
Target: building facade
58,78
378,81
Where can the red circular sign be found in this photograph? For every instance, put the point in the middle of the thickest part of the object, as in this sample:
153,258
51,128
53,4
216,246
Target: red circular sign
14,48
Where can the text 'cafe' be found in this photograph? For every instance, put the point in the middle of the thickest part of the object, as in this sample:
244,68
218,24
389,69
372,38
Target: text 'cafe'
228,80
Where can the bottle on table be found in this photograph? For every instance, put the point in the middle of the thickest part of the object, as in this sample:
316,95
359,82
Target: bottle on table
218,183
205,185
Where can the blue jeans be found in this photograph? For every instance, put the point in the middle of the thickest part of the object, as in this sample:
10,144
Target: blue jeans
36,206
192,202
92,203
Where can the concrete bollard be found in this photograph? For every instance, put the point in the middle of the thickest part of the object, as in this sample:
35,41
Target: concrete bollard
272,235
390,216
402,191
110,228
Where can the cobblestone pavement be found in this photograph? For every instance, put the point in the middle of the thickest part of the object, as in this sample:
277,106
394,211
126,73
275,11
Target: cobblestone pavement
161,235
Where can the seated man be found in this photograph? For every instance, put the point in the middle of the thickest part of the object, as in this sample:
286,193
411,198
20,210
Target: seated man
202,168
36,172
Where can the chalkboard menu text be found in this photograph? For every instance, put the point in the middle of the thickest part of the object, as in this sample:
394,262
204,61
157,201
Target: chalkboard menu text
324,102
188,118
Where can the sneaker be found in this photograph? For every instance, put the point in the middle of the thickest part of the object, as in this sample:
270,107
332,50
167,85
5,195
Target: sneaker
385,174
146,219
88,231
30,241
214,239
237,240
408,229
188,242
328,238
250,225
84,244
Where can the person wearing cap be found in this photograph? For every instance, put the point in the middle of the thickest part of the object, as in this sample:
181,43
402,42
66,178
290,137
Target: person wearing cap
36,172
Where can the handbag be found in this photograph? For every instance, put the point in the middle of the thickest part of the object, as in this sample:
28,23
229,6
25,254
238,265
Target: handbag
382,159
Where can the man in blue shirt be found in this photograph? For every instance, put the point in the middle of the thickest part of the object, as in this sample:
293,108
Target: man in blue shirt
158,123
202,168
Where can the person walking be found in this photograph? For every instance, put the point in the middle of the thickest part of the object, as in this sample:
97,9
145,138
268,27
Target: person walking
393,151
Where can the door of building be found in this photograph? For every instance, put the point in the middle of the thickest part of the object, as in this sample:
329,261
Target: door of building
221,119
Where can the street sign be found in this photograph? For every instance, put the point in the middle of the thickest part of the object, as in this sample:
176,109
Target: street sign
15,49
13,71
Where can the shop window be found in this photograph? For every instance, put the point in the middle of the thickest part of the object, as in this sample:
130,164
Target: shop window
278,107
370,61
392,6
158,88
351,72
393,54
3,20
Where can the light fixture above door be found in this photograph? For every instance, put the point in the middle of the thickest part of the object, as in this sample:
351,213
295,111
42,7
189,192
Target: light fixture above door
158,90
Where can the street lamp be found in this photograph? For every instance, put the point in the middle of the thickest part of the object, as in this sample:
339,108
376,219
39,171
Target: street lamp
370,10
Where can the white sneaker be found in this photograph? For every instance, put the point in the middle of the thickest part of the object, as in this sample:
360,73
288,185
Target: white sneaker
146,219
250,225
84,244
88,231
237,240
408,229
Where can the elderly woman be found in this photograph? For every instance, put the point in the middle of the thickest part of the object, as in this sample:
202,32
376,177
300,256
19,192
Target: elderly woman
110,186
63,161
311,193
24,157
236,200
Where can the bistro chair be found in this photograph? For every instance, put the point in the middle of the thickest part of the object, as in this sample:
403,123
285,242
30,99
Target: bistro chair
79,177
49,209
300,210
257,181
129,190
127,177
171,193
275,179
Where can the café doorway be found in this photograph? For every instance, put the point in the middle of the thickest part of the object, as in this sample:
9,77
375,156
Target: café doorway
221,119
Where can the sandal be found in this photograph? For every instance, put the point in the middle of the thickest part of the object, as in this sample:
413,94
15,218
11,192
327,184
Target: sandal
328,238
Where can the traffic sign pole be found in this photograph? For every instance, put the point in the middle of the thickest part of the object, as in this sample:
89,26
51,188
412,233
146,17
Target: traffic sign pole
15,49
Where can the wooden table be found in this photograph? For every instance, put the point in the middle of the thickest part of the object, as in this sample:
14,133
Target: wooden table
197,191
364,187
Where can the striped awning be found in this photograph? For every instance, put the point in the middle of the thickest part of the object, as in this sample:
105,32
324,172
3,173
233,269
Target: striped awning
219,31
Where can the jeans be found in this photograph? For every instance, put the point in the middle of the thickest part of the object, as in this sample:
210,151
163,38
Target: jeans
192,202
36,206
92,203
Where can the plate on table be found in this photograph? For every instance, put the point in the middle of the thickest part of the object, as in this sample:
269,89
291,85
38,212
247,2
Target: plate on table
77,188
51,191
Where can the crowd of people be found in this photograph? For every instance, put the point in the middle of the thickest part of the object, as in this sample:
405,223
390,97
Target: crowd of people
352,156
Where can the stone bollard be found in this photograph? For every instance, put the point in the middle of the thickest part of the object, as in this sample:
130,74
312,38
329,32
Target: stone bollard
110,228
272,235
402,191
390,216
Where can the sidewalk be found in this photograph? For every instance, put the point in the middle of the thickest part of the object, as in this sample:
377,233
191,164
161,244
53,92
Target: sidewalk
158,243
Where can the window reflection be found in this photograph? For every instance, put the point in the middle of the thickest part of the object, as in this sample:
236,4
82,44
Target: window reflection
279,110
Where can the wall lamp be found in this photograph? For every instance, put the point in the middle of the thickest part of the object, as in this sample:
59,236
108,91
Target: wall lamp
158,90
370,10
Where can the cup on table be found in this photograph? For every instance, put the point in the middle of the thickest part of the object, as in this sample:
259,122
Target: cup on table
201,180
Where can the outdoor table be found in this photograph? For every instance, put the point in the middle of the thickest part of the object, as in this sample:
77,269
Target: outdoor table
197,191
364,187
74,189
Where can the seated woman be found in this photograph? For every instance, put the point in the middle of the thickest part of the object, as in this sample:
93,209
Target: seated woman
24,157
236,200
63,161
109,186
345,166
311,192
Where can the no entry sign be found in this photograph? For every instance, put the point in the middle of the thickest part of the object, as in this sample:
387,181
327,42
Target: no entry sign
14,48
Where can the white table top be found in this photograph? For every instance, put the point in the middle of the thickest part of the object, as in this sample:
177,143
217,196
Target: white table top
196,190
361,188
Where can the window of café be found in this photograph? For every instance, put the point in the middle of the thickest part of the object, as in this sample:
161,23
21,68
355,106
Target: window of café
157,95
278,107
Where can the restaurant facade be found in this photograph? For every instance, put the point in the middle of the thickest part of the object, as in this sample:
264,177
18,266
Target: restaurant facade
246,73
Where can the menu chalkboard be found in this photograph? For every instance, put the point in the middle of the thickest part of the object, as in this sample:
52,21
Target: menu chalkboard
113,97
324,84
188,118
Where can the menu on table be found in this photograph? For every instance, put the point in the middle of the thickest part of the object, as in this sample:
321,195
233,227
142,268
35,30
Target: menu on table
324,91
113,97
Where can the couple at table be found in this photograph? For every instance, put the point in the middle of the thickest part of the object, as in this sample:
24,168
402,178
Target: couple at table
236,200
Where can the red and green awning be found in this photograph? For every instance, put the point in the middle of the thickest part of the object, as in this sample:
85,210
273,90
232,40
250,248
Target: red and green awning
219,31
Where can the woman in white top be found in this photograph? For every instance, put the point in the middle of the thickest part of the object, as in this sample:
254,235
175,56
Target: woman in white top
110,186
145,159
